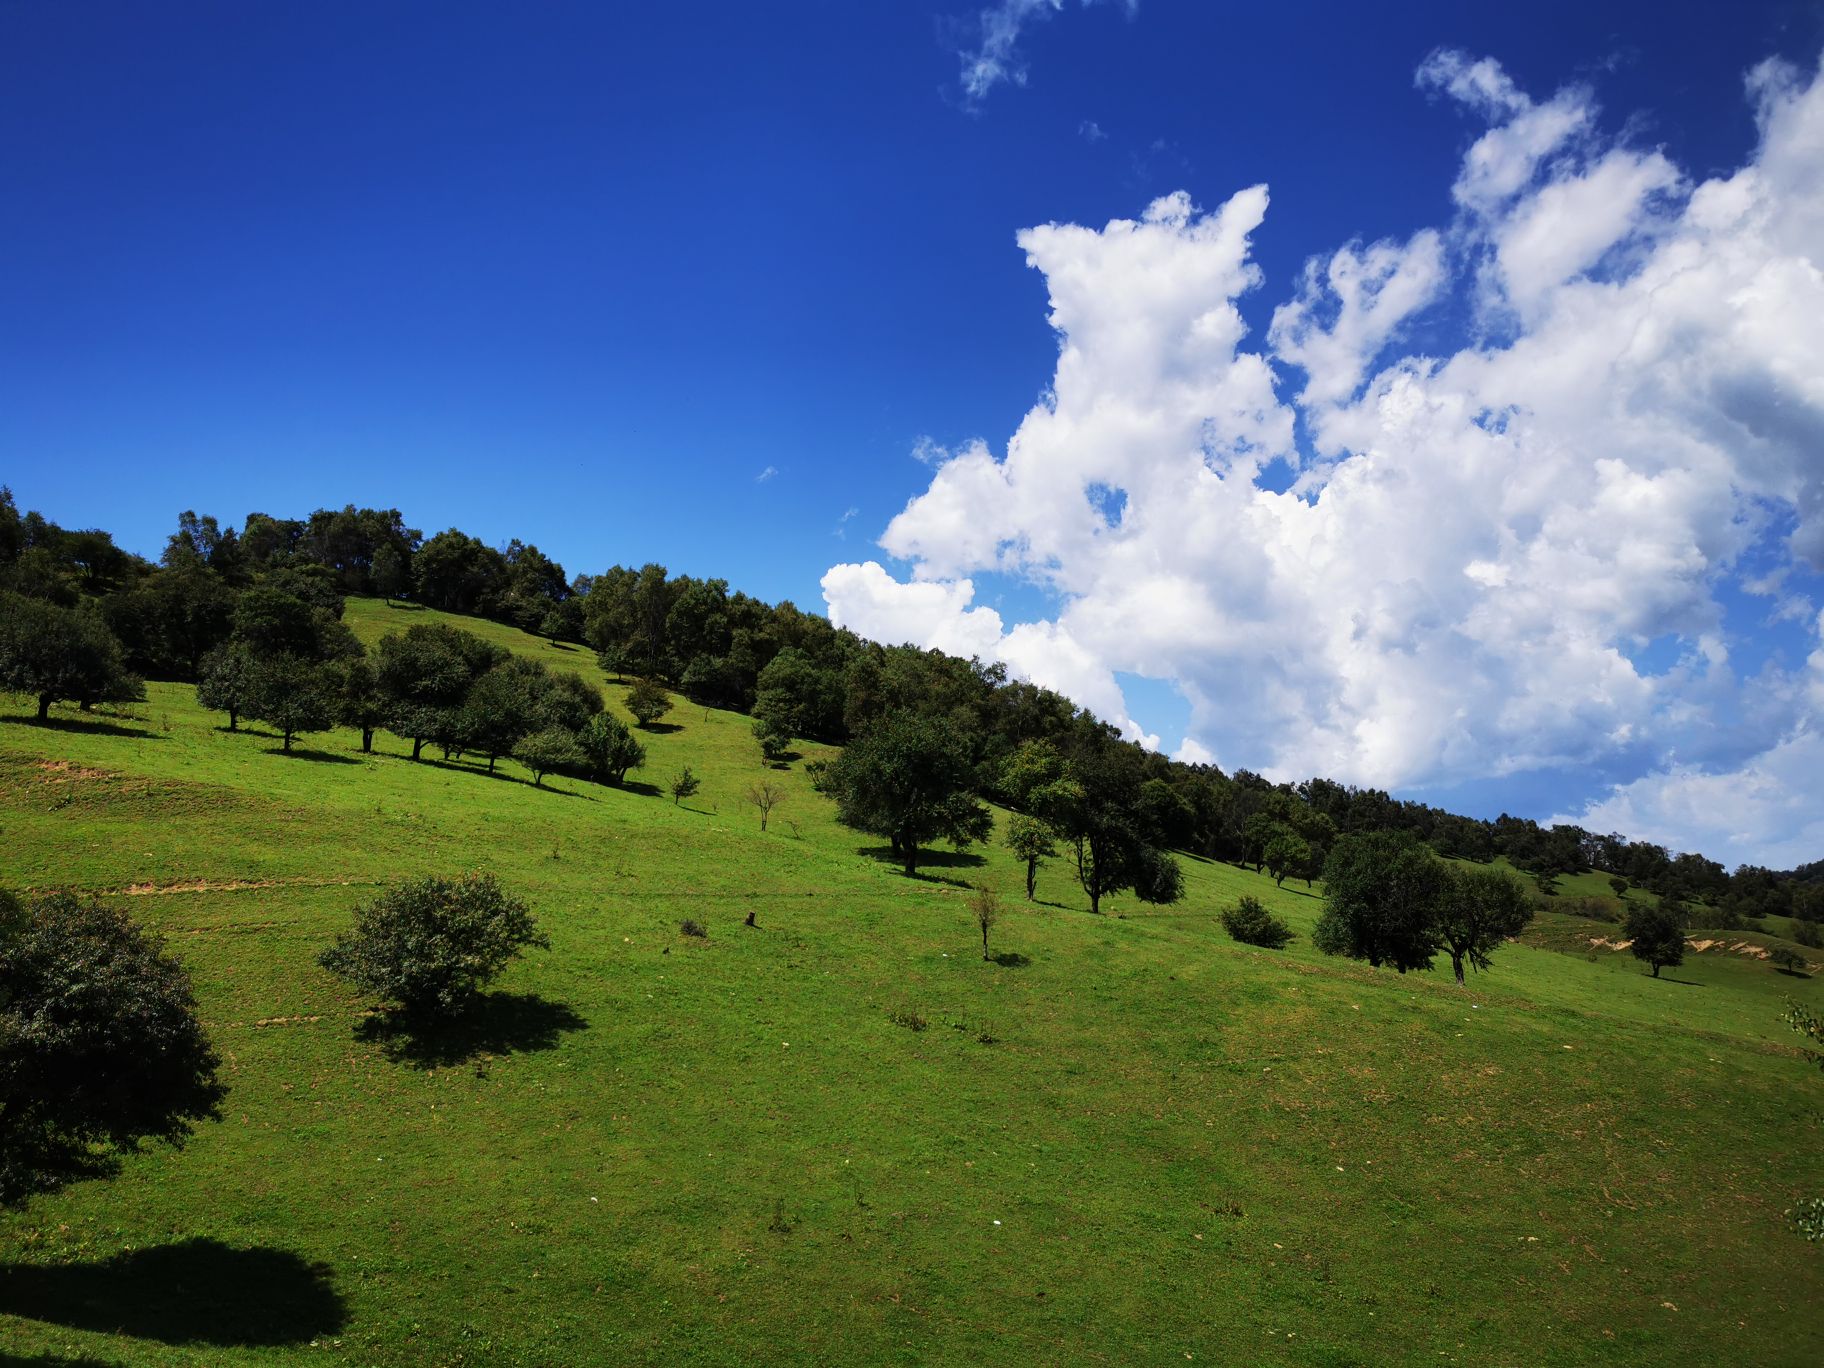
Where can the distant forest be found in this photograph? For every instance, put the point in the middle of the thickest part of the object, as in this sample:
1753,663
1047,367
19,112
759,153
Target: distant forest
794,672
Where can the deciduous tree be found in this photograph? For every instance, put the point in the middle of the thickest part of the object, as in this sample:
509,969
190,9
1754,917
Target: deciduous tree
1382,892
610,749
1481,907
59,654
1656,934
1031,842
907,778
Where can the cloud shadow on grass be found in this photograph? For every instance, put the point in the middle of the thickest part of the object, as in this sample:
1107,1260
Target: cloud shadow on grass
195,1292
497,1024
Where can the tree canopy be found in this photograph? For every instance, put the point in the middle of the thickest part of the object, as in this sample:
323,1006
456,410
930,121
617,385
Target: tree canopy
906,779
100,1048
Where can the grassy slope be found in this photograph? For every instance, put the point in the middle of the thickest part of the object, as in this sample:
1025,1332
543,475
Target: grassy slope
728,1152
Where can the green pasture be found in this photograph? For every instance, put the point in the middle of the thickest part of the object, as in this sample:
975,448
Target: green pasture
1125,1140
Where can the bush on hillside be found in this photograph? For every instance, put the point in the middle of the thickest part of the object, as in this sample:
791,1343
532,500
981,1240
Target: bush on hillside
100,1048
1251,924
432,944
647,702
1808,934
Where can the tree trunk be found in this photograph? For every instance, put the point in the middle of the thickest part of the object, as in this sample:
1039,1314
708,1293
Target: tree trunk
44,707
1655,968
234,719
1456,963
985,943
1095,901
367,740
1032,878
287,746
491,769
417,746
911,853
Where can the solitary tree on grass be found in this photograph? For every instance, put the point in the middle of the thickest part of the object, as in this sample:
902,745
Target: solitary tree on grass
100,1048
985,903
683,785
908,779
1656,934
765,796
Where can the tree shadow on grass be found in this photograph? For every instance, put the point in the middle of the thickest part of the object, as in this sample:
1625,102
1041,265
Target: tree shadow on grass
82,726
315,756
1011,959
196,1292
927,859
661,728
498,1024
50,1361
635,786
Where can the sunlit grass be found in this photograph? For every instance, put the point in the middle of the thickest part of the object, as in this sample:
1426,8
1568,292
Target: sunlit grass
673,1150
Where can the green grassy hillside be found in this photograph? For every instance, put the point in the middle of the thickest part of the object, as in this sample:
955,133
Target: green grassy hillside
1130,1141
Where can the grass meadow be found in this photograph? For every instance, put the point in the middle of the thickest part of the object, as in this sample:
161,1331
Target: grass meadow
1124,1140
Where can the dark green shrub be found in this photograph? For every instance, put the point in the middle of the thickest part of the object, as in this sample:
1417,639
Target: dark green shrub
1808,934
1251,924
100,1048
432,944
691,927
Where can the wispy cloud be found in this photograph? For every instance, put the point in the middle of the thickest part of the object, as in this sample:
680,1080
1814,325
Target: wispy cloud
842,524
995,55
766,474
1091,131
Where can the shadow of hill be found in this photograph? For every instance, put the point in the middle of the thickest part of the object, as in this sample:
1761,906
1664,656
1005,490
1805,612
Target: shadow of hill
500,1023
197,1292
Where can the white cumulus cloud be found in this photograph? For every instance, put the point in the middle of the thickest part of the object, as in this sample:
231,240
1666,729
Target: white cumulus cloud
1478,545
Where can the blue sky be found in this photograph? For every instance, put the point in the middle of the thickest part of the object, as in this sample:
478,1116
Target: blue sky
582,274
